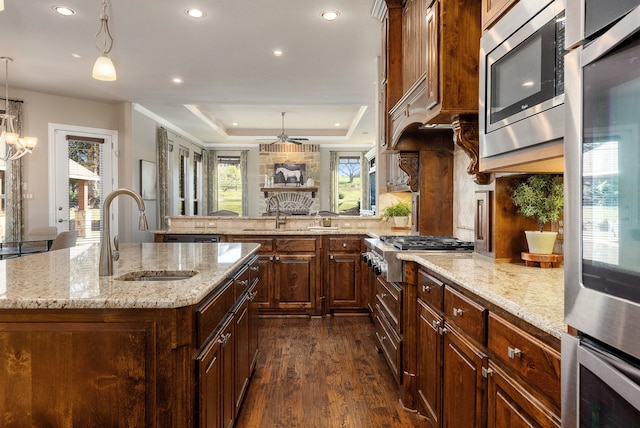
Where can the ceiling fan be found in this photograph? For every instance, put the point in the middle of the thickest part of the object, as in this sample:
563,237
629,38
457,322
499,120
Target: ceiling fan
284,138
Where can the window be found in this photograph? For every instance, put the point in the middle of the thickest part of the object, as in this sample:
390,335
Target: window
230,179
183,161
197,184
348,199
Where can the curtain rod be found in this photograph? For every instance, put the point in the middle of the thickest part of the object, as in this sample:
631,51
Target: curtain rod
12,100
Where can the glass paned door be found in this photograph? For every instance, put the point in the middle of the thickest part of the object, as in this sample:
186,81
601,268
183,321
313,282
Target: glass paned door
83,176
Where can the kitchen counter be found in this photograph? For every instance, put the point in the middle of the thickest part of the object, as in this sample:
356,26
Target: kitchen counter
533,294
68,279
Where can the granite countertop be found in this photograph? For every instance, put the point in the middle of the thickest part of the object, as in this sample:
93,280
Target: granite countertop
533,294
68,278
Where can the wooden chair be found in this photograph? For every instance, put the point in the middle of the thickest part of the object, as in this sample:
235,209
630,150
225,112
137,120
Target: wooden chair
65,240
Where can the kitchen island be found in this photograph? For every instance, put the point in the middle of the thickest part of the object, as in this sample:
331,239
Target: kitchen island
169,340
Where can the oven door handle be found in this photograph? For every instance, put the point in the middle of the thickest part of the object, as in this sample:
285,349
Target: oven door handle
621,376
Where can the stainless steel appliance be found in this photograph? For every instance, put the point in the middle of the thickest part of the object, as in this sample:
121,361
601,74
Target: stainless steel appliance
522,78
601,366
382,251
587,19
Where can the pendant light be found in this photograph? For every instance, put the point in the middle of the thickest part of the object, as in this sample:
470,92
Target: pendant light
17,146
103,68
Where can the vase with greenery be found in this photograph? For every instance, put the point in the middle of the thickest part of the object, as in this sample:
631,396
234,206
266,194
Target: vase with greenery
399,212
541,197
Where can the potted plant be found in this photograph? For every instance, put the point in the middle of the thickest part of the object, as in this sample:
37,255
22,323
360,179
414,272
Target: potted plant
399,212
540,196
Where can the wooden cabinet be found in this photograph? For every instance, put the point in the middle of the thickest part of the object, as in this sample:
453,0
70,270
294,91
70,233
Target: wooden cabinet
510,404
464,387
453,43
429,367
344,273
290,268
492,11
476,365
387,315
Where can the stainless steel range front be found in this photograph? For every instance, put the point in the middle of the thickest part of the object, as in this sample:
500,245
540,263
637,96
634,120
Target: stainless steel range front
383,251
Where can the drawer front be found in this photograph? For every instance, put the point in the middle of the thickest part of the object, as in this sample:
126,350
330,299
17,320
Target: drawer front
389,343
295,244
535,361
431,290
466,314
266,244
211,312
241,281
389,298
349,245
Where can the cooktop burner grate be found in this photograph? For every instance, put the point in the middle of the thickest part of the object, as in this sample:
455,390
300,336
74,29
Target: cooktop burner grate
426,243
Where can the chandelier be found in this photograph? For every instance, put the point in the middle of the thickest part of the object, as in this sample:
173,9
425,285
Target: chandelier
103,68
17,146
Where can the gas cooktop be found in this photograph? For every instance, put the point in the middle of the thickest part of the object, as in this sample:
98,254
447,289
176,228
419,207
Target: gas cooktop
426,243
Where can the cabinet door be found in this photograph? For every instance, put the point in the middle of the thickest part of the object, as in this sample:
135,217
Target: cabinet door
464,386
209,364
254,325
295,281
227,349
344,281
510,405
429,369
265,296
242,359
432,36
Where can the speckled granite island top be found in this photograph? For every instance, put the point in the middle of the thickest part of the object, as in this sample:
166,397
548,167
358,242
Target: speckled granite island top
533,294
69,278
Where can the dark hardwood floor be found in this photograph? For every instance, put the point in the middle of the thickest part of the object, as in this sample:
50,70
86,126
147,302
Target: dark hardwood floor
322,372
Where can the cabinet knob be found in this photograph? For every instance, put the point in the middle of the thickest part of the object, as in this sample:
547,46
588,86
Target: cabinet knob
435,324
457,312
426,289
277,257
383,295
514,352
331,257
344,245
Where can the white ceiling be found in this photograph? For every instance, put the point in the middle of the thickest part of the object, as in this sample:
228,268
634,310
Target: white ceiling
326,75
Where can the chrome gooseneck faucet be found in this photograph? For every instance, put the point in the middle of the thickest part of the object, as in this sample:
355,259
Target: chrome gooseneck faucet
278,221
106,255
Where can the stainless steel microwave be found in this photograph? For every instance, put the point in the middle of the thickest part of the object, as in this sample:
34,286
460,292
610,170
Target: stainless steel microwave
522,78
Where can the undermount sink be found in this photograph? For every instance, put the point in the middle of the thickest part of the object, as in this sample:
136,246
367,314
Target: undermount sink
157,275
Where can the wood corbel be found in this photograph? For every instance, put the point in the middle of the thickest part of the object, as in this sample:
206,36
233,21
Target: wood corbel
465,135
409,162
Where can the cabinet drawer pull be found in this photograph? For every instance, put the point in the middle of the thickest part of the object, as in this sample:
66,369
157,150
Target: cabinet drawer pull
426,289
443,331
254,268
457,312
344,245
277,257
331,257
243,282
383,295
514,352
435,324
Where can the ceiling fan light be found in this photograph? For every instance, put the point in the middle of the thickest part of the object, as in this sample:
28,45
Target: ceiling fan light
103,69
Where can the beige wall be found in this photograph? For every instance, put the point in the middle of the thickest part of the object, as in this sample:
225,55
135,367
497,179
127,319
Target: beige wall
40,110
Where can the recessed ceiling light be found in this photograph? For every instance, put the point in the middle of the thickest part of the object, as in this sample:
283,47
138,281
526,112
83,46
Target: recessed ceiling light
235,123
330,15
75,55
64,10
278,52
195,13
177,80
527,83
336,124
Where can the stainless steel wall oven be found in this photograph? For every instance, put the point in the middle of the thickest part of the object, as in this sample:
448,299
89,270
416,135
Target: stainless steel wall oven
601,367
